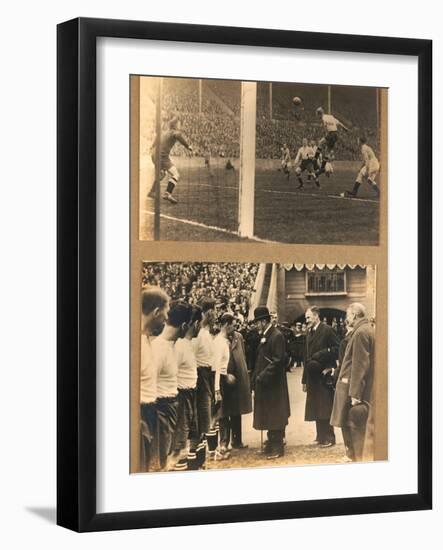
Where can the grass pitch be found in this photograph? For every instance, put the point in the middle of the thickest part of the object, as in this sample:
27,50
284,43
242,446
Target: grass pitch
208,208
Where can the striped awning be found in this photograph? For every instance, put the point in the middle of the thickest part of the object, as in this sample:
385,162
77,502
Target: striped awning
321,267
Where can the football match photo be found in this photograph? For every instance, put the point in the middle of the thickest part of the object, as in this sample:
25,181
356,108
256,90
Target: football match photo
225,160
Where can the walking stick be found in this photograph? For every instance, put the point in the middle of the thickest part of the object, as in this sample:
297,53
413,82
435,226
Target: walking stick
261,440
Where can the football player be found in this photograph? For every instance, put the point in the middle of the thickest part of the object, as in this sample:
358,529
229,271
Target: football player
304,161
327,143
368,171
167,141
285,160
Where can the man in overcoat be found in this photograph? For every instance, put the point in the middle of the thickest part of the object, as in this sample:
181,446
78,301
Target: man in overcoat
236,393
320,360
271,398
353,395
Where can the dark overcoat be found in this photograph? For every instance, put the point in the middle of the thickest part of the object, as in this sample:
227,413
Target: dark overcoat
271,397
298,347
237,397
321,353
356,372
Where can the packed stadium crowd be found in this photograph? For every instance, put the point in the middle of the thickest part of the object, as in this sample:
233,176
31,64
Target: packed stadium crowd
216,135
213,129
230,284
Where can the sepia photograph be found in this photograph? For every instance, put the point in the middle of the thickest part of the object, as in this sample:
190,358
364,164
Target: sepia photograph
226,160
246,365
231,287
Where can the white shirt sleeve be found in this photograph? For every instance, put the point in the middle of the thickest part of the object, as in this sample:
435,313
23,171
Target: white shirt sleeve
221,359
297,158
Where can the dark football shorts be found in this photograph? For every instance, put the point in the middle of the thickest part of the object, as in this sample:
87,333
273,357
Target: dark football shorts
186,418
331,139
307,164
167,420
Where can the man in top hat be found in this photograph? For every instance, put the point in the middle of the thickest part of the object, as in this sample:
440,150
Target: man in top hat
271,398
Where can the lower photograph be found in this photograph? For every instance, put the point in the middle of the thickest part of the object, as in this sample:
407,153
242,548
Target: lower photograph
255,365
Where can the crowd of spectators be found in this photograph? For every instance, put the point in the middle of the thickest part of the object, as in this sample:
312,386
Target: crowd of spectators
217,135
230,284
211,129
228,91
272,134
182,95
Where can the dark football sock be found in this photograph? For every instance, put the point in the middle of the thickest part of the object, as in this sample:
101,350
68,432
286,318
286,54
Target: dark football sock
211,438
170,187
355,188
201,455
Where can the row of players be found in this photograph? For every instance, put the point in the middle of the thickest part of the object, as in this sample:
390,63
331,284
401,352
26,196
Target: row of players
311,158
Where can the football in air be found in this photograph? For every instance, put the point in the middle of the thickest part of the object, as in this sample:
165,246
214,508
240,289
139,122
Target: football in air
296,100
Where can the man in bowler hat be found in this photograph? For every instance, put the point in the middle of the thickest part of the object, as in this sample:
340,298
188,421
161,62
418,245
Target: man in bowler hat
271,398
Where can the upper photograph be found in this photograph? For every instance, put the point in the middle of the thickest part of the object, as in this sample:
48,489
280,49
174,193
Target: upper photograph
226,160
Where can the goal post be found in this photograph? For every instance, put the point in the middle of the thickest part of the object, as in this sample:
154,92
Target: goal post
158,136
248,106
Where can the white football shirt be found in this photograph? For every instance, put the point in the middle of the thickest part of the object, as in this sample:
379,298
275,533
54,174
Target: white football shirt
330,123
186,363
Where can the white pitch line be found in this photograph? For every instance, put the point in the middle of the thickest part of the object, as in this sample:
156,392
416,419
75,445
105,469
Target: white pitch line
205,226
292,193
318,195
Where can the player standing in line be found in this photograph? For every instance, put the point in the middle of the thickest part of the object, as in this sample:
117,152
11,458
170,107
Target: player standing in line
164,358
305,161
167,141
327,143
368,171
285,161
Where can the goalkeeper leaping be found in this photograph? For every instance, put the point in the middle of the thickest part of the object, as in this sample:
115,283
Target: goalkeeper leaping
167,167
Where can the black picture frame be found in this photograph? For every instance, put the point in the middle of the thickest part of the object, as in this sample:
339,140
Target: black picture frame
76,280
